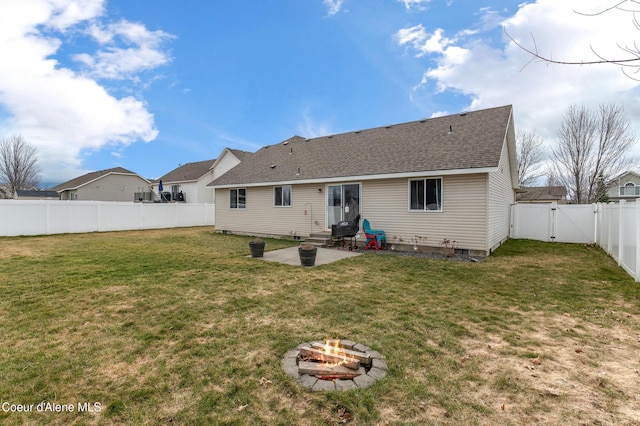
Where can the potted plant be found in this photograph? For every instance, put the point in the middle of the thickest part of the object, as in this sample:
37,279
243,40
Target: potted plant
256,247
307,252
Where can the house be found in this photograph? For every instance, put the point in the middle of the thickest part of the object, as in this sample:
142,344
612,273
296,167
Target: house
191,180
542,194
624,187
5,192
35,194
423,182
116,184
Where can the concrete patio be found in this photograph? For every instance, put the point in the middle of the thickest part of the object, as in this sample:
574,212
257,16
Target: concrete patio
289,255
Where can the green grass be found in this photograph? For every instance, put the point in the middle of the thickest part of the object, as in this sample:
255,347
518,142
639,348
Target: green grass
180,326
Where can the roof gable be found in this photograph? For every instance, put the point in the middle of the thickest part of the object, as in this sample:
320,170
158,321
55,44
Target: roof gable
624,176
471,140
90,177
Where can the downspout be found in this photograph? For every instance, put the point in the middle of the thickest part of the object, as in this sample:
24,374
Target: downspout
311,216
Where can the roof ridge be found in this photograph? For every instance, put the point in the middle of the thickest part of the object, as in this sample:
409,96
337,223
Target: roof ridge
427,145
387,126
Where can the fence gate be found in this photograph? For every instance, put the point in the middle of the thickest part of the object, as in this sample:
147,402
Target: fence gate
573,223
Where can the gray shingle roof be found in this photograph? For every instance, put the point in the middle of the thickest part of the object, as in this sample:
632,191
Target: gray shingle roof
615,181
36,193
476,141
541,193
89,177
188,172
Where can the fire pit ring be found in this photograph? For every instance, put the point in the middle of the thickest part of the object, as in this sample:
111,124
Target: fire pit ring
296,364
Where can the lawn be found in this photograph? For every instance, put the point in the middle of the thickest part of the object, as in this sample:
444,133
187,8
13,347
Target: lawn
181,327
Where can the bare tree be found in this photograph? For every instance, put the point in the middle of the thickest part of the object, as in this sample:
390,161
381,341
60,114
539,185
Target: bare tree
591,144
630,60
530,153
552,180
18,164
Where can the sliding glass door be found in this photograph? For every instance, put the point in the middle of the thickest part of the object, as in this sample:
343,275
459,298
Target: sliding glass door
343,202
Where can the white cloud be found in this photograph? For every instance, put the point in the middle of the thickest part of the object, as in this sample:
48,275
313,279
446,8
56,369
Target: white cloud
142,51
57,109
493,74
333,6
308,127
423,42
415,4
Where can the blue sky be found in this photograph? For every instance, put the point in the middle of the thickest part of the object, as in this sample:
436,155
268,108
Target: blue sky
148,85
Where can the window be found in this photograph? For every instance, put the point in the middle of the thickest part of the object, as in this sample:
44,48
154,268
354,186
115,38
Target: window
425,194
238,198
629,189
282,196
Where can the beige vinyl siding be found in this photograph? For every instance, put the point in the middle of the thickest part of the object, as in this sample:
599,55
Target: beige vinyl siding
384,202
261,217
112,187
501,195
463,217
614,189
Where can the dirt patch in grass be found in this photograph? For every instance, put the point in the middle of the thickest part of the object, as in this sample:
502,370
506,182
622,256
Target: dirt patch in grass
560,369
536,333
20,251
120,373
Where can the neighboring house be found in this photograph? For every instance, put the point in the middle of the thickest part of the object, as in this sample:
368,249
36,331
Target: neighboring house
542,194
35,194
624,187
191,180
116,184
450,177
5,192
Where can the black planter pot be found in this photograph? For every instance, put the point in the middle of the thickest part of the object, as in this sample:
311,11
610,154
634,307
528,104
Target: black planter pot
256,248
307,256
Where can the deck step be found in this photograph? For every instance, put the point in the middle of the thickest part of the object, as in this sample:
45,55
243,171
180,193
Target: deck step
319,239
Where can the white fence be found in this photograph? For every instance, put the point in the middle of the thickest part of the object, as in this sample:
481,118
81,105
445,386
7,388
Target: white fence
615,227
39,217
618,233
550,222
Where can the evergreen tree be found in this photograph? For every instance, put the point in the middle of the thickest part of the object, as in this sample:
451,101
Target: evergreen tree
601,195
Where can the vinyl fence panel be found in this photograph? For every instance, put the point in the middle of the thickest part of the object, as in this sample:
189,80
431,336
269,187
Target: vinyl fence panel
614,226
40,217
574,223
614,230
628,242
551,222
531,221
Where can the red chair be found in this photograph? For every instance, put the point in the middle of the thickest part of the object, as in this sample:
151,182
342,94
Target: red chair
375,237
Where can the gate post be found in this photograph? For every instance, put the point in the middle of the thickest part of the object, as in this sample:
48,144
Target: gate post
552,222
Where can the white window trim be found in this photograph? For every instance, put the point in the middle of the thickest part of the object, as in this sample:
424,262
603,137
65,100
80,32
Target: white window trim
290,196
425,210
623,188
237,204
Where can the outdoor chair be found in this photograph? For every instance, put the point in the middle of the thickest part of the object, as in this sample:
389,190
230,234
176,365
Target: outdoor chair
375,237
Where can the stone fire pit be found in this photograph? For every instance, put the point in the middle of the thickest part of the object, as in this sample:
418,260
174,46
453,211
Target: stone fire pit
334,365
